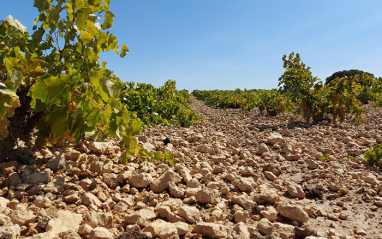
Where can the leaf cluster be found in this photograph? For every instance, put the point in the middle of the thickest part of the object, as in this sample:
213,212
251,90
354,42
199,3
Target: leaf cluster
55,80
164,105
341,98
350,74
225,99
272,101
314,101
374,155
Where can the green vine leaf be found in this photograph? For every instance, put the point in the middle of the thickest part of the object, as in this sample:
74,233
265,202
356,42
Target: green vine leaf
108,21
58,119
125,50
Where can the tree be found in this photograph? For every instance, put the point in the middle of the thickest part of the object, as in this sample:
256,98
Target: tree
300,86
348,73
364,79
341,98
315,100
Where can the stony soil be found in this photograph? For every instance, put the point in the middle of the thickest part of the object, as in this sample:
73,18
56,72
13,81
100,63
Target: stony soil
236,177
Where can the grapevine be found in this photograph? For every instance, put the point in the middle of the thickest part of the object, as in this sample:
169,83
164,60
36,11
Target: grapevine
62,88
164,105
301,93
374,155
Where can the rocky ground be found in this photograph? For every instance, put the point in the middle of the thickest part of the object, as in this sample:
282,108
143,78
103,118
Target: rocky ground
235,177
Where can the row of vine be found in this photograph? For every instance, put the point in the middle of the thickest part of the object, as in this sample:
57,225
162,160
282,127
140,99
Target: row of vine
301,93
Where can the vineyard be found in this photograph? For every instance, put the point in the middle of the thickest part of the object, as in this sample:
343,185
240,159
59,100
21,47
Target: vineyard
84,154
305,95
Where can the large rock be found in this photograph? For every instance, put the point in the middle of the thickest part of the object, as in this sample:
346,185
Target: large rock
85,229
265,226
363,141
100,233
244,184
295,190
262,149
182,228
347,140
269,213
89,199
42,202
312,164
163,211
124,175
57,162
240,230
100,147
14,179
108,167
64,221
211,230
3,203
73,196
190,213
155,226
205,195
110,179
266,195
36,178
202,148
247,171
141,180
4,220
43,222
162,229
176,191
275,138
10,232
241,216
270,176
243,200
141,217
184,172
273,168
99,219
69,235
133,235
21,215
72,154
370,178
293,212
160,184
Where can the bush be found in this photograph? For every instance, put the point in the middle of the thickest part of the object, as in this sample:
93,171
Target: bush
164,105
374,155
348,73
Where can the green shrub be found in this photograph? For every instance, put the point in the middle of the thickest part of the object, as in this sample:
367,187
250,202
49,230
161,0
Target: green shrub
374,155
348,73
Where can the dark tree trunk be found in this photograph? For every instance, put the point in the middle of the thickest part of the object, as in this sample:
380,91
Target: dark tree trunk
20,127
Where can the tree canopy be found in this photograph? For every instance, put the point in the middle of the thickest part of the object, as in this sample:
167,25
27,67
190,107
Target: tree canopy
349,73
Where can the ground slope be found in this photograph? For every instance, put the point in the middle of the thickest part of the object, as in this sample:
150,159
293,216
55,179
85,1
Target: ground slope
237,177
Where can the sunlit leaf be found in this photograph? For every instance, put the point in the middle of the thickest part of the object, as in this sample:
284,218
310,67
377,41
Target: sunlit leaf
108,23
94,118
40,90
8,91
125,50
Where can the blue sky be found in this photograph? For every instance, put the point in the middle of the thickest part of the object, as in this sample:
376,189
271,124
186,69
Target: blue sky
227,44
